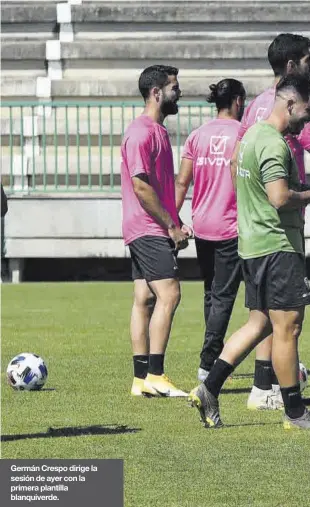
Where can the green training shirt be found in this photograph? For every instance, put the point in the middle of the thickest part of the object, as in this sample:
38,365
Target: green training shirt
264,156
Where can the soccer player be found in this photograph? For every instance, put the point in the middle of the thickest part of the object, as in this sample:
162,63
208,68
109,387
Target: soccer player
152,230
206,161
270,226
287,54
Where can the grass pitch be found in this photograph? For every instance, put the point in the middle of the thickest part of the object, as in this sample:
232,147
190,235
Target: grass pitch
81,330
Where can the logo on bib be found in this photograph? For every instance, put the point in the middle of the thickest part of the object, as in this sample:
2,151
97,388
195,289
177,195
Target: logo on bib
218,145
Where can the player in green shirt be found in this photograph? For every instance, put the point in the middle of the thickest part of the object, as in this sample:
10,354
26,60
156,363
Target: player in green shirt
270,227
265,157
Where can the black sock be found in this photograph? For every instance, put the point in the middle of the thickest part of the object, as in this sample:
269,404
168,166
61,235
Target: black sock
292,400
263,374
274,379
140,366
156,366
217,376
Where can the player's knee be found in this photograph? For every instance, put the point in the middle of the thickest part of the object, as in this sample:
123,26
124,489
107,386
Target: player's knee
258,324
293,330
288,330
150,301
172,297
145,300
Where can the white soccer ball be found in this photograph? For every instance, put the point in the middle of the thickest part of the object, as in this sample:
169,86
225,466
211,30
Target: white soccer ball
303,377
27,372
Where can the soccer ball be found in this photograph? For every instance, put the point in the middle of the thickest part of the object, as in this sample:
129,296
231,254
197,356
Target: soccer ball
303,377
27,372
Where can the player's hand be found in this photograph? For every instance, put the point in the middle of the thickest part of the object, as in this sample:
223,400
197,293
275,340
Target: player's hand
178,237
187,230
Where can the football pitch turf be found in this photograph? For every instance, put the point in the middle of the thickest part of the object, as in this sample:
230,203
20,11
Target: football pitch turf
85,410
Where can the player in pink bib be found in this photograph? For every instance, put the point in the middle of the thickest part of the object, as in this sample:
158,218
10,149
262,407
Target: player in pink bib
206,162
151,229
287,54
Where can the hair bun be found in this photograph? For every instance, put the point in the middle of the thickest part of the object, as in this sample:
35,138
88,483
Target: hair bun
213,95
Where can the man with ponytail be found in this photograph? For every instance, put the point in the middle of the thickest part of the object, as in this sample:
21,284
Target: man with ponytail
206,162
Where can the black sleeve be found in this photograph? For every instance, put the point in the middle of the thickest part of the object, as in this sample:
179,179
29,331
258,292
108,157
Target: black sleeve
4,203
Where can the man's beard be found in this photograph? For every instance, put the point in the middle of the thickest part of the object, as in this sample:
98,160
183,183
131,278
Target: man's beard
169,107
296,127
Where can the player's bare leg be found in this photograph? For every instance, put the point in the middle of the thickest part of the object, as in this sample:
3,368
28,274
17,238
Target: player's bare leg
242,342
142,309
168,296
265,393
239,345
287,325
264,349
143,305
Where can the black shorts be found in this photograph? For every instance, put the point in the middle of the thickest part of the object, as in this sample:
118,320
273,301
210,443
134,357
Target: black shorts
153,258
276,282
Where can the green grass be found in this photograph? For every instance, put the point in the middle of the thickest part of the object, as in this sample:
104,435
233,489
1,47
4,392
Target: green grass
170,461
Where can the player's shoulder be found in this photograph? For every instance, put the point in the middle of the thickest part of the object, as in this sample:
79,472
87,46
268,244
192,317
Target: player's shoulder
232,125
140,129
267,96
263,129
259,133
195,134
209,127
267,138
261,103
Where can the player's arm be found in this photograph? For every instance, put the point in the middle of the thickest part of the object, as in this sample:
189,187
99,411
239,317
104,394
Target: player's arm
149,200
139,150
275,160
234,164
183,181
281,197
